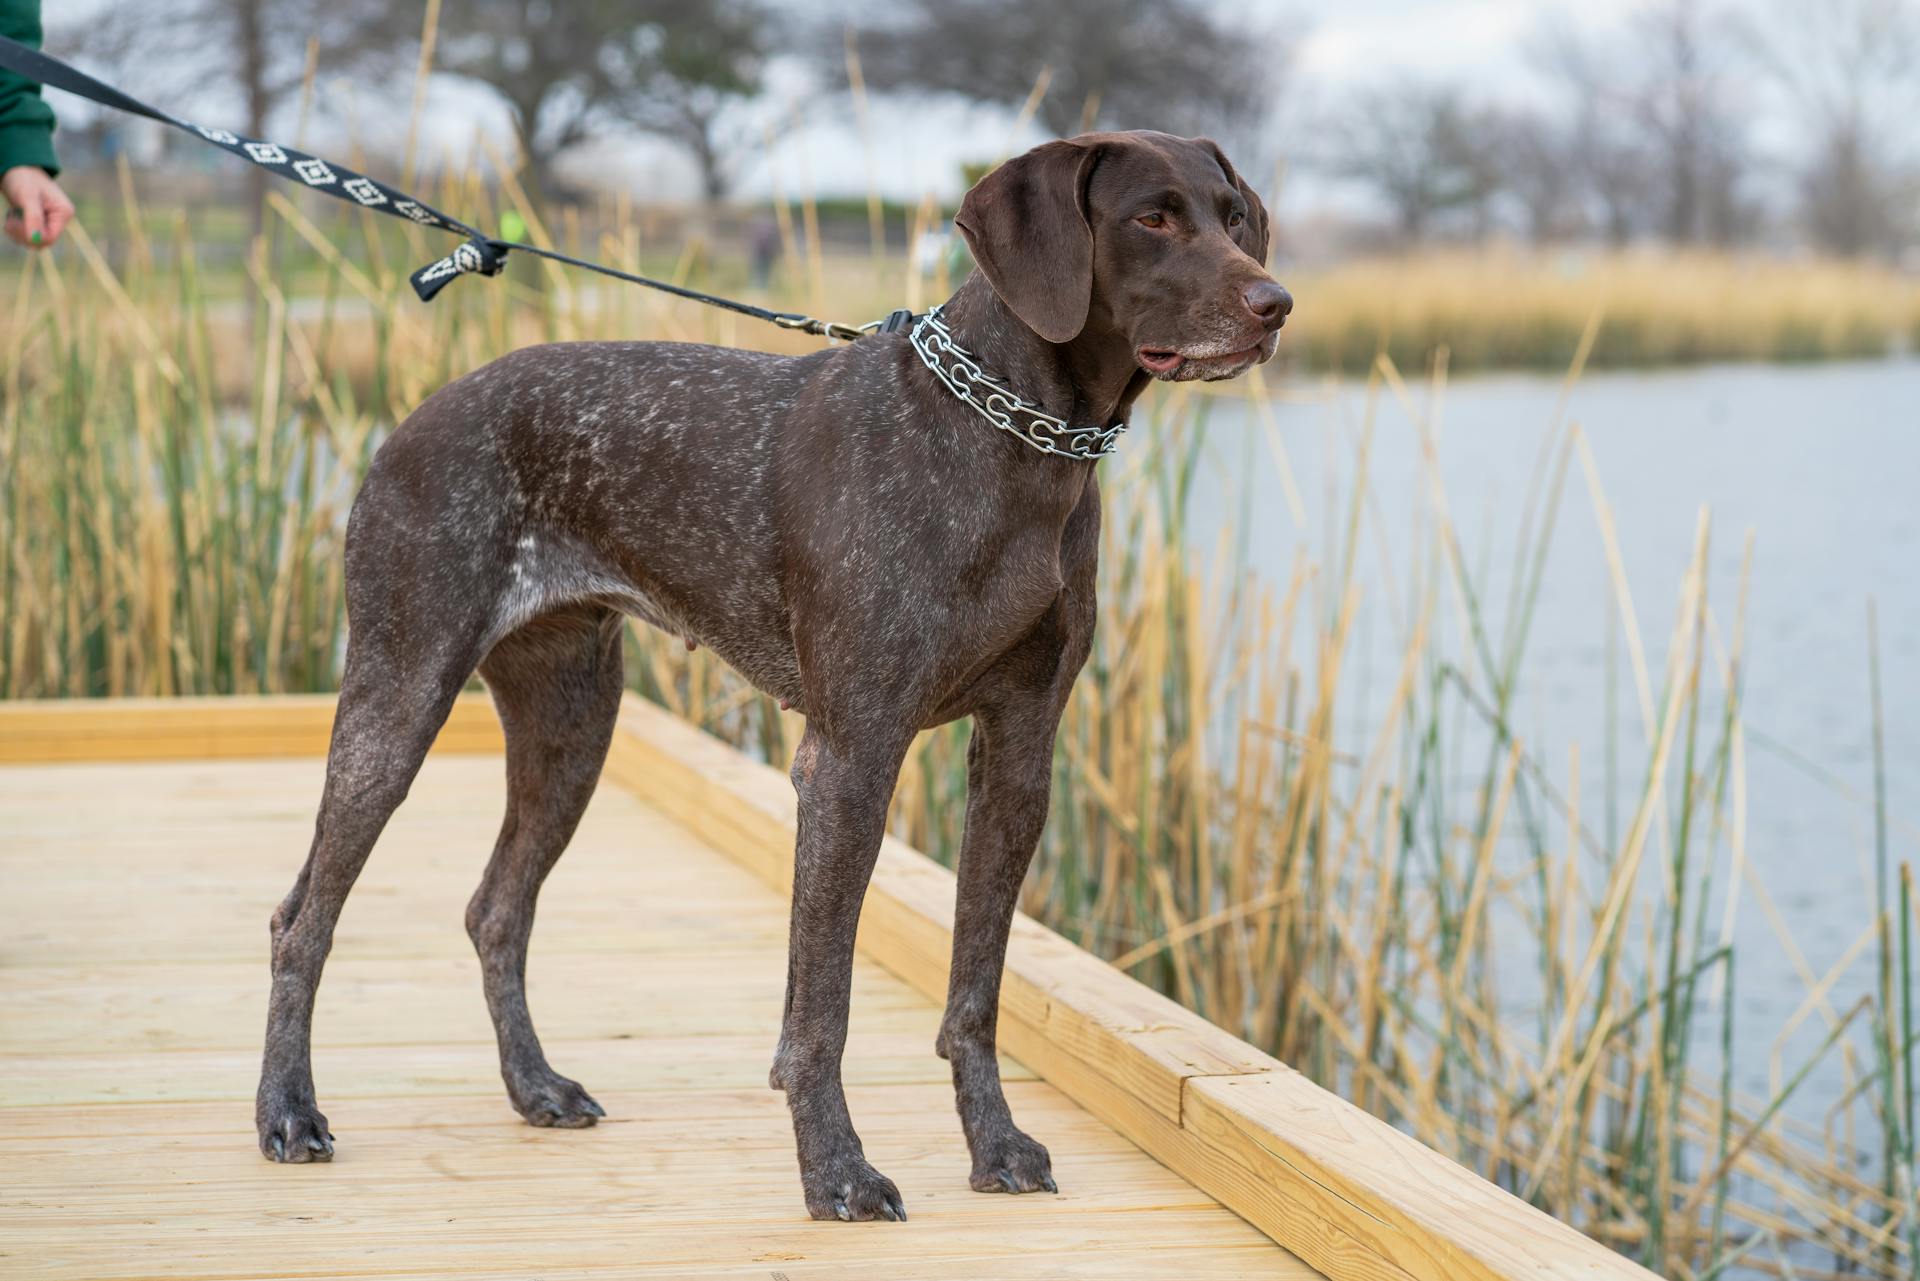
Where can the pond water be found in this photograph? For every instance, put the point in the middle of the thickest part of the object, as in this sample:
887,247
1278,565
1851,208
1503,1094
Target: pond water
1820,463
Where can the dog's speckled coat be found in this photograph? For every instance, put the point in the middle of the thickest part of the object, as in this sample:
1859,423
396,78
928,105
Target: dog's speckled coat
840,529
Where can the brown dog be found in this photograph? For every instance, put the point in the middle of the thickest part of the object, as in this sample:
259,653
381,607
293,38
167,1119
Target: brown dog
843,528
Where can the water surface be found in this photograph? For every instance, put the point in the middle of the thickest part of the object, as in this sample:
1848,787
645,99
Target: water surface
1820,463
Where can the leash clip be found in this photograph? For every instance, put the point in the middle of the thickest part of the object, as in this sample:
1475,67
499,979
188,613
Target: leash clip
819,328
479,256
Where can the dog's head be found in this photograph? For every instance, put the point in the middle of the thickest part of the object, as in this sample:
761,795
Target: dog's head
1151,238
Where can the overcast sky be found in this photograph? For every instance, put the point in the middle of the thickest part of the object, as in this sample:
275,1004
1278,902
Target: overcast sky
1359,39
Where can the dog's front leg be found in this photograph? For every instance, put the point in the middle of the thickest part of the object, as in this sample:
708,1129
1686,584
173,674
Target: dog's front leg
844,785
1009,769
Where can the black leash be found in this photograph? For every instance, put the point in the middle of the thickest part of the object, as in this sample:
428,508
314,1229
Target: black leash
482,254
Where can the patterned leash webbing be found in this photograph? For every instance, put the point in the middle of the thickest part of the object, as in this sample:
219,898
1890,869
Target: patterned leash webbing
481,255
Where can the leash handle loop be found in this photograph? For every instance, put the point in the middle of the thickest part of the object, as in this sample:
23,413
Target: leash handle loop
479,256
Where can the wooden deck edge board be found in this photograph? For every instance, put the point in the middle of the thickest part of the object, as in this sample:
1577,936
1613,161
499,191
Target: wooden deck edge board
1347,1193
50,731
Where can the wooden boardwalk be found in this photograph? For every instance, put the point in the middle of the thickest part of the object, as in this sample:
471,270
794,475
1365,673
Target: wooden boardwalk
143,844
132,998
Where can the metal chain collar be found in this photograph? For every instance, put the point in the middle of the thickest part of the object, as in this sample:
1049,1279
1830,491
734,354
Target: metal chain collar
993,400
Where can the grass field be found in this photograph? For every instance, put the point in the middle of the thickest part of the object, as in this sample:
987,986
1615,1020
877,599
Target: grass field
175,470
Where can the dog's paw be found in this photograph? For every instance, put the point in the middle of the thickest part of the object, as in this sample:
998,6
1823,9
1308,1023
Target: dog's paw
852,1191
294,1133
552,1101
1012,1162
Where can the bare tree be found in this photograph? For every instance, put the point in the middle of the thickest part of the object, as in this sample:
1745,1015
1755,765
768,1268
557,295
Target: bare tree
1131,64
569,68
1683,104
1656,130
1612,171
1542,173
1847,68
1424,150
257,49
703,59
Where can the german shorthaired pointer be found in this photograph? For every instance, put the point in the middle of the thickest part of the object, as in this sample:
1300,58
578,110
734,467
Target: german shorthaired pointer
849,530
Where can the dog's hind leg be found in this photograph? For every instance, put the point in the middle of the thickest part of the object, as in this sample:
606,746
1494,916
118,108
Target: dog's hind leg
556,682
402,675
427,570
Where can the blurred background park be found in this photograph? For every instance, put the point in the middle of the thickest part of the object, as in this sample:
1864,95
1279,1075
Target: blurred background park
1504,703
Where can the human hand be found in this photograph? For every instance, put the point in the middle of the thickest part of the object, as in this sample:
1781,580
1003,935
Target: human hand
37,210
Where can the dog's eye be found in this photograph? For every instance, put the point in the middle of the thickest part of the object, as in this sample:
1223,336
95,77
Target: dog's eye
1235,218
1156,220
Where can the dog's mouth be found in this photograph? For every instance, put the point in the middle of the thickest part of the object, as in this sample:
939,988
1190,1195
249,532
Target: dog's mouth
1175,366
1160,362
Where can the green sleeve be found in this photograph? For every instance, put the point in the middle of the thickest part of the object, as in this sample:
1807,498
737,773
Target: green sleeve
26,121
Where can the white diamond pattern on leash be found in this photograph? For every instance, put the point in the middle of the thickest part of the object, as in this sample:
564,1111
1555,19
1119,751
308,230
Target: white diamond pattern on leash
266,153
313,172
364,190
220,136
415,212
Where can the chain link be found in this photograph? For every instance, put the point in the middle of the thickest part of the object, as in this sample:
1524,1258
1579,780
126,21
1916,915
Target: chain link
993,400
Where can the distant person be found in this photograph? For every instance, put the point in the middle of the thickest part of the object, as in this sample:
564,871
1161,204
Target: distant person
37,210
766,250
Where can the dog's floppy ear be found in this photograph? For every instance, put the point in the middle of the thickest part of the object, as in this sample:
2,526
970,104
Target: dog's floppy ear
1251,235
1026,223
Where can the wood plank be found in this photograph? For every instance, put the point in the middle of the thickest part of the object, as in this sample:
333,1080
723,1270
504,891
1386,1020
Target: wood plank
128,729
133,1008
696,1116
1401,1199
573,1238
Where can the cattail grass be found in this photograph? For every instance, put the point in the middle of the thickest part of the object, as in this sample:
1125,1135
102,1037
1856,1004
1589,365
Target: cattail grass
1365,869
1510,309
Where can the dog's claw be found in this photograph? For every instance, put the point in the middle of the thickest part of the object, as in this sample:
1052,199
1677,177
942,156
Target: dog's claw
1011,1162
294,1134
553,1102
853,1193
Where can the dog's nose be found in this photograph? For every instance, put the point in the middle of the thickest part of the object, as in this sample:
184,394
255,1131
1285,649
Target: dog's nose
1267,301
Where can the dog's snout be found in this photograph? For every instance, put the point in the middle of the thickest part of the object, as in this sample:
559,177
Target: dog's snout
1268,302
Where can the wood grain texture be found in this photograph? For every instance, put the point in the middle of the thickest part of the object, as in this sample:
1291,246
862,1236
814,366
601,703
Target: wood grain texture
138,729
133,976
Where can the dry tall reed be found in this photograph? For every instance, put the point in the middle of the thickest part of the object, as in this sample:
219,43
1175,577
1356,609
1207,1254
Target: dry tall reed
1507,309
